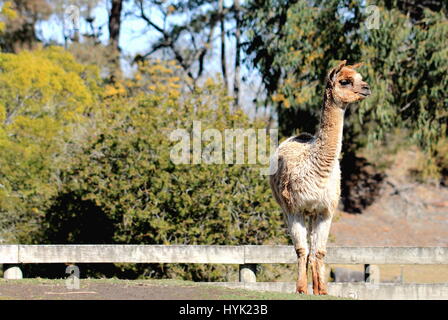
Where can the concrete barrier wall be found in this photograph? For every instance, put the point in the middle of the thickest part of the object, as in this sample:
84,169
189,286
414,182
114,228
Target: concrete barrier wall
130,254
362,291
247,257
352,255
214,254
9,253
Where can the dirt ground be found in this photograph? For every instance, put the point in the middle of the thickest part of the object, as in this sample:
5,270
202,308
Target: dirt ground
406,213
113,289
100,291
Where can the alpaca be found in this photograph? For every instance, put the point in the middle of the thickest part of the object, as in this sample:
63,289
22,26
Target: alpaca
306,182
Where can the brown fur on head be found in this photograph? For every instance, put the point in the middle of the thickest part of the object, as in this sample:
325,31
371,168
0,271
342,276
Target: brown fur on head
346,84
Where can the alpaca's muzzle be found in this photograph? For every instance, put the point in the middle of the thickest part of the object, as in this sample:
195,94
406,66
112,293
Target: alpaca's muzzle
365,90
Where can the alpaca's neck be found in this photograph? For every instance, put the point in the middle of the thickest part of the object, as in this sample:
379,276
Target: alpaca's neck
329,137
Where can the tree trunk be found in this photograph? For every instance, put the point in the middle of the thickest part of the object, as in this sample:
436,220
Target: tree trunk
223,45
114,29
115,23
236,82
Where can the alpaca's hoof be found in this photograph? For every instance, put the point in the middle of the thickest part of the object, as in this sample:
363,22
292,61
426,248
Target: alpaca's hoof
319,291
302,290
322,291
302,287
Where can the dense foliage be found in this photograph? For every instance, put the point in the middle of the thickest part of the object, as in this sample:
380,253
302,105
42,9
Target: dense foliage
125,171
44,96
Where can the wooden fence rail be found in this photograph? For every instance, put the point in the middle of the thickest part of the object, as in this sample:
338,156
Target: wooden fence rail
246,256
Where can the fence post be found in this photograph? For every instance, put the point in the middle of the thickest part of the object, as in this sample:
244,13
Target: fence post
371,273
12,271
248,273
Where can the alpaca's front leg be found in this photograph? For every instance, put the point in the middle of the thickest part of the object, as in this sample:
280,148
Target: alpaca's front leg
319,234
297,229
302,281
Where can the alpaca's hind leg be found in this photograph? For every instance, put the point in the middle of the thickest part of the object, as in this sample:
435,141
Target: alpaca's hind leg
320,228
297,229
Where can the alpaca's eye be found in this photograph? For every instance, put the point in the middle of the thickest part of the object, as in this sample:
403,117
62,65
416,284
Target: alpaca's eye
344,82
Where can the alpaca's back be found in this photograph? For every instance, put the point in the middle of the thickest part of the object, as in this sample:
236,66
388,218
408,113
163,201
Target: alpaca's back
298,184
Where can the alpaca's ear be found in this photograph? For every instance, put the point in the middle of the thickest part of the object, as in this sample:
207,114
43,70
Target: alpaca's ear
341,65
333,72
357,65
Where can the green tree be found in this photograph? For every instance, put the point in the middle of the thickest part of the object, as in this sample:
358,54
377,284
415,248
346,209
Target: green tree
44,96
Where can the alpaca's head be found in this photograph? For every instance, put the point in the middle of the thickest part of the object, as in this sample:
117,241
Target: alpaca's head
346,84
